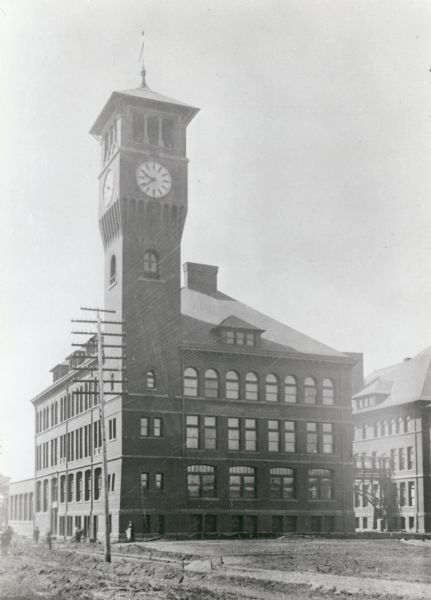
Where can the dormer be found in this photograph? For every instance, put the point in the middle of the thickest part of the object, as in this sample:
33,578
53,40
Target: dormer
59,371
76,358
236,332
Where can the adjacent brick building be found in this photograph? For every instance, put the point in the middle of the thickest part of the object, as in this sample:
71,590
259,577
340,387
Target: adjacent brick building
229,421
392,442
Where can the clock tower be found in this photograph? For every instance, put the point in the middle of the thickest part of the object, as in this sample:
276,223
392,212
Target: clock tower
142,211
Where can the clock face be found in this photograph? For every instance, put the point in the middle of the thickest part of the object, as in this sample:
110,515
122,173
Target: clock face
108,187
153,179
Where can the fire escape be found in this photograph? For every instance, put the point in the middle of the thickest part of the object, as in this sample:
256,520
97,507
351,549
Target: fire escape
373,481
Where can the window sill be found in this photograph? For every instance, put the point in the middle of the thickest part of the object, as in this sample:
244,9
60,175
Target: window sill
112,284
150,279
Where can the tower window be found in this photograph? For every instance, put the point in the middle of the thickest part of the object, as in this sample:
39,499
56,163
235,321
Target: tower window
168,133
113,270
153,130
151,264
138,126
151,380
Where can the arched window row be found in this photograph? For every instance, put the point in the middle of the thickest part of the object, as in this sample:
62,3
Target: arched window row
282,481
271,388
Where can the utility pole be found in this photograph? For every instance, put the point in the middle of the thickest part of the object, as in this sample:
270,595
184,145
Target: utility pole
100,370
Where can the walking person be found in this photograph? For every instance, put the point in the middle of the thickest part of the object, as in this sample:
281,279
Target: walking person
49,540
130,532
36,534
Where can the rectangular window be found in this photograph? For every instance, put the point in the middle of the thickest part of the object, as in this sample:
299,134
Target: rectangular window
249,339
312,438
87,483
233,434
112,426
401,459
210,433
157,427
79,487
192,431
403,493
240,338
410,457
97,483
70,488
411,522
250,435
289,436
145,481
273,436
328,438
229,337
159,481
144,427
412,493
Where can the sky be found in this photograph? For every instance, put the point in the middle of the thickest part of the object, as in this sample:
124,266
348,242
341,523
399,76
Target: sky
309,175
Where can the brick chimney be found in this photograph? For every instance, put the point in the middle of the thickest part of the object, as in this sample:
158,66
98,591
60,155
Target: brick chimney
202,278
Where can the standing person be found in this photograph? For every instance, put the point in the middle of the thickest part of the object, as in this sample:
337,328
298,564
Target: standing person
36,534
130,532
4,542
49,540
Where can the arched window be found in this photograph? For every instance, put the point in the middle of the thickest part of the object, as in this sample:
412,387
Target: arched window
211,383
151,380
271,388
310,391
201,481
151,263
242,482
328,392
251,386
320,486
290,389
282,482
190,382
113,270
232,385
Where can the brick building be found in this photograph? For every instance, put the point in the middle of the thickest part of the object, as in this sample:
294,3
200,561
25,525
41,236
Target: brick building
230,421
392,442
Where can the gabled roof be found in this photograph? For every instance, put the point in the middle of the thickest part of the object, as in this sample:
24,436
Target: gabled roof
214,310
145,95
236,323
404,382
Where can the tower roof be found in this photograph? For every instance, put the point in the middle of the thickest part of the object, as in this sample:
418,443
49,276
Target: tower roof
144,96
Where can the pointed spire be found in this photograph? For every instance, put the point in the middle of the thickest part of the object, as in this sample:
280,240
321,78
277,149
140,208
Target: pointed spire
141,58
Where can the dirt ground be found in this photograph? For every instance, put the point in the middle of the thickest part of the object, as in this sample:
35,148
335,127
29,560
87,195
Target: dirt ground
291,568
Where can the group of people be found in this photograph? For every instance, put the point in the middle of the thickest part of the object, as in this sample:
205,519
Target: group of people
7,533
6,537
